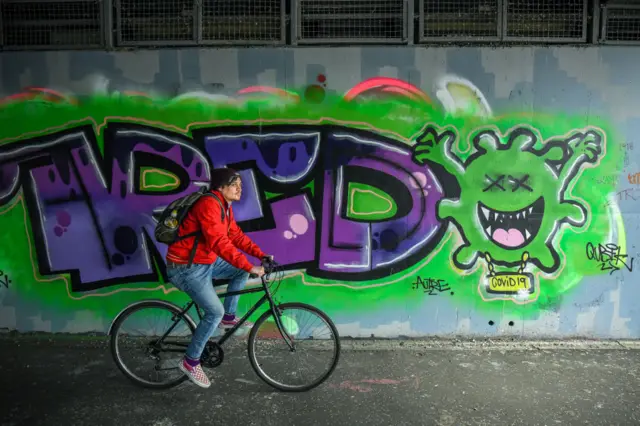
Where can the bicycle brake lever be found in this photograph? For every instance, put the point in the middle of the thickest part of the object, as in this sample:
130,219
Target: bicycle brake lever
268,265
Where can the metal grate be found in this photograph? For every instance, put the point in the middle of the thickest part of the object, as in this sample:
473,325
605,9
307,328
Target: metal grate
547,20
51,24
349,21
621,24
257,21
460,19
158,22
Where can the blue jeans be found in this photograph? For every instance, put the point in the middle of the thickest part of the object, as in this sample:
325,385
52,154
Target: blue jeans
196,282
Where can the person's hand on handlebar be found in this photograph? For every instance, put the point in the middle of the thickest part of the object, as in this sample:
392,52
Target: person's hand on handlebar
257,270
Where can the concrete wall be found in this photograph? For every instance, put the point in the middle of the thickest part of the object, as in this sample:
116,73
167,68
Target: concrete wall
389,236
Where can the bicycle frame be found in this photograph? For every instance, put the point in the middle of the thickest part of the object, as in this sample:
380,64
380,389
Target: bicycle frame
267,297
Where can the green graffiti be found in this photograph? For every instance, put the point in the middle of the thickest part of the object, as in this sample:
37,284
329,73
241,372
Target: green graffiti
367,202
519,195
515,195
157,180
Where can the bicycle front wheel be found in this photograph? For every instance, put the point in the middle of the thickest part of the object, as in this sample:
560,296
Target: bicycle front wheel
148,342
311,359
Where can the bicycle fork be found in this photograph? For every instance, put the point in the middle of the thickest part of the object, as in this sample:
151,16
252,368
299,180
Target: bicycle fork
283,332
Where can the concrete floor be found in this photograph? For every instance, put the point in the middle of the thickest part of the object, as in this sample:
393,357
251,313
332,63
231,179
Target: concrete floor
73,381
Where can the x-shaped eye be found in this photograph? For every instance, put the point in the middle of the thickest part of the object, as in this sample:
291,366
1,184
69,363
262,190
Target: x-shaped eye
497,182
520,183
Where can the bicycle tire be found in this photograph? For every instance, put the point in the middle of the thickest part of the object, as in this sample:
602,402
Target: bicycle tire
114,340
280,386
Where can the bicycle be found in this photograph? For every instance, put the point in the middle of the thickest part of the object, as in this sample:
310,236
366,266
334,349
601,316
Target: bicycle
286,328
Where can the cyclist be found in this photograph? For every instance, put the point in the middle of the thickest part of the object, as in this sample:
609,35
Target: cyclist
216,257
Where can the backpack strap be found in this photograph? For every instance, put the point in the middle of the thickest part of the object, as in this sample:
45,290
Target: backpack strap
211,194
197,234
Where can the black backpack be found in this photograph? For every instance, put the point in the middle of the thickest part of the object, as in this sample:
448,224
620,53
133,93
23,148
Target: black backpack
171,218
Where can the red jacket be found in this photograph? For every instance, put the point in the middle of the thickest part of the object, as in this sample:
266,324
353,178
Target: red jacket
220,238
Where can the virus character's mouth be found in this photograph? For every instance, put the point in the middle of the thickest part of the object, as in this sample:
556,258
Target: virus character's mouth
512,230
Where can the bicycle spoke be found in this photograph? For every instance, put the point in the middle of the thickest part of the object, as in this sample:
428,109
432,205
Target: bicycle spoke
141,355
314,339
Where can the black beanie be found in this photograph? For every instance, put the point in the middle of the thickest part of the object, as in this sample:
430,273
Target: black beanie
223,177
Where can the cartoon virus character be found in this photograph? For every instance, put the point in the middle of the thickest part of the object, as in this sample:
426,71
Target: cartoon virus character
512,194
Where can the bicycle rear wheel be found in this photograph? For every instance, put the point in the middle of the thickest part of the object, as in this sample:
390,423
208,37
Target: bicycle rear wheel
147,355
313,335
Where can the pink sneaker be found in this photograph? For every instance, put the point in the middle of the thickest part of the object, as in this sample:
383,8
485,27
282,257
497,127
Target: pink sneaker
195,374
230,321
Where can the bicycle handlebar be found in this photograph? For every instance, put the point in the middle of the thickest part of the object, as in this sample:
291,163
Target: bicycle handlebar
268,265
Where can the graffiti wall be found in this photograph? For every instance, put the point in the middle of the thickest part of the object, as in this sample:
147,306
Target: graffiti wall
406,192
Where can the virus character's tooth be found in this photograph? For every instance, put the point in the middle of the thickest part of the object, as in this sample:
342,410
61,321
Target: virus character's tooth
524,214
485,212
518,215
527,235
489,231
530,210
